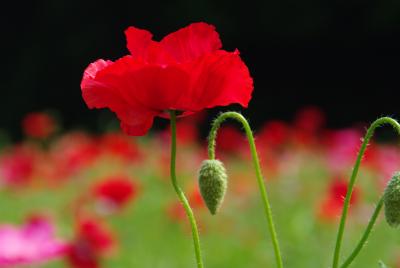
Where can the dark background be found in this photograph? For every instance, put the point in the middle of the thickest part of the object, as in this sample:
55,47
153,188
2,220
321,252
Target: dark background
340,55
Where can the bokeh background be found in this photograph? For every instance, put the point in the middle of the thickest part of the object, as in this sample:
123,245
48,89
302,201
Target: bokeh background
340,55
322,71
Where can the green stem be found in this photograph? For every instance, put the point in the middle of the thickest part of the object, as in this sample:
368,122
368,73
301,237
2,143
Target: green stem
365,236
379,122
211,153
181,195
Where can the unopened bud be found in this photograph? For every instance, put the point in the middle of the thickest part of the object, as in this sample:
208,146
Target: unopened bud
213,183
391,199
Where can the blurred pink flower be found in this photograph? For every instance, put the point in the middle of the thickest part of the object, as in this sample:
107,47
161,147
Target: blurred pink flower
384,160
32,243
342,147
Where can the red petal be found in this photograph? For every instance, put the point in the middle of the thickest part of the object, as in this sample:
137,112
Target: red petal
93,68
158,88
95,94
191,42
103,86
217,79
142,47
138,41
137,129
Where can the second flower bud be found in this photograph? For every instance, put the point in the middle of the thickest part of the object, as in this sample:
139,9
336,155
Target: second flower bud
213,184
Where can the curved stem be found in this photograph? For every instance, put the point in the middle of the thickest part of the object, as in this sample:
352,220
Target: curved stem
365,236
181,195
211,153
379,122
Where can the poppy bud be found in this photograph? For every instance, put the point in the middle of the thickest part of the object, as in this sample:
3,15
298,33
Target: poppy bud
391,199
213,183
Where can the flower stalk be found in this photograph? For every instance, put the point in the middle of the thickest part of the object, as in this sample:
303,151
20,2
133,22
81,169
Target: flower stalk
370,132
365,236
181,195
264,196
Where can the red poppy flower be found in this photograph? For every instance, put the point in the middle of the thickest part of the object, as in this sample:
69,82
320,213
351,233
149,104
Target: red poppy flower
186,71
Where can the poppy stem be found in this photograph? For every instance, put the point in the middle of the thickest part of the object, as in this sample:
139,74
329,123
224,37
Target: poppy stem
264,196
181,195
370,132
365,236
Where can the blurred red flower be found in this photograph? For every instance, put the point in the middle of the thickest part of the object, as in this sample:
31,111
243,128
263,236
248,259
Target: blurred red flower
119,145
186,71
230,140
273,135
17,165
92,241
187,130
331,206
72,153
195,198
38,125
271,140
310,119
176,210
308,122
115,190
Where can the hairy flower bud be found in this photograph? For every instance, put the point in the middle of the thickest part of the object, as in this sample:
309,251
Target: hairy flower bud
213,183
391,199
